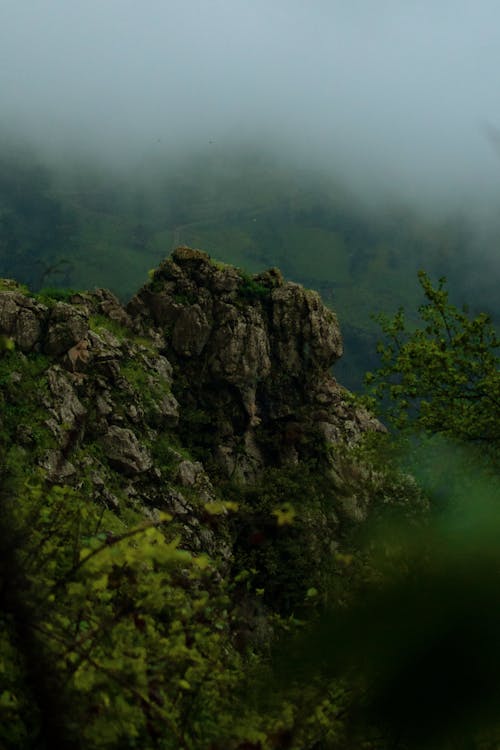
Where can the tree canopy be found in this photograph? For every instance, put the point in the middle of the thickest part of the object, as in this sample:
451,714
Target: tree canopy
443,376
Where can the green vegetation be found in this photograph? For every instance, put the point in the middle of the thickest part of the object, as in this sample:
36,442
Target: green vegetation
109,616
419,633
251,289
98,323
286,511
49,295
444,377
119,638
8,285
115,634
23,431
90,229
418,639
308,633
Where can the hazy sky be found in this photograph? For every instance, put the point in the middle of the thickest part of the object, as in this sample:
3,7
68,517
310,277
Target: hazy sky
402,95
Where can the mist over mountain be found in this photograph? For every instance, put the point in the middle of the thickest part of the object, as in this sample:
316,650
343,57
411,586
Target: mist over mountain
348,145
400,99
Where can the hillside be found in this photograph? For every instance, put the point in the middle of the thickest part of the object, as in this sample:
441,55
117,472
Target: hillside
193,443
208,543
81,227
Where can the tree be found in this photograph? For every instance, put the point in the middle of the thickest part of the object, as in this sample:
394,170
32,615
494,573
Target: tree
442,377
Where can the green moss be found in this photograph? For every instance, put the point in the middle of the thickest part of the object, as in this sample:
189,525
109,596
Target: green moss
220,265
49,296
156,285
185,299
145,343
149,388
98,323
250,289
8,285
23,388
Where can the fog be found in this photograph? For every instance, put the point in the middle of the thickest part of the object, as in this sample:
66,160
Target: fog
399,98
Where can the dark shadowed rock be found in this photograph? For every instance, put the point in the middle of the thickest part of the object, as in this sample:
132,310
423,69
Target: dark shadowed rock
191,331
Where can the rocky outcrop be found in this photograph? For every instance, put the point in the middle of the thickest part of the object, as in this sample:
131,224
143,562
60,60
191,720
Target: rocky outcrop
253,358
234,368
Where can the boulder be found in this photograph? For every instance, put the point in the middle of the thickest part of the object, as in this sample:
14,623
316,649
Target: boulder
67,325
22,319
124,452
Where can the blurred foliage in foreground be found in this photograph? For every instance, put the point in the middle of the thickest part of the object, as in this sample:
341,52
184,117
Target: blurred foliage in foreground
417,640
120,639
418,644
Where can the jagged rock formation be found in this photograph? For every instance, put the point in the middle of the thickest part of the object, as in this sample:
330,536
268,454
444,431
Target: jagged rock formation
253,358
235,368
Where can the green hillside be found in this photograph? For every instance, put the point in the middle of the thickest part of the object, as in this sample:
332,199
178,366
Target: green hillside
82,227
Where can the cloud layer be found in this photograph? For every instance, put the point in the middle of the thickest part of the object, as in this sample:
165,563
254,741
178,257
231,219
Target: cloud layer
403,98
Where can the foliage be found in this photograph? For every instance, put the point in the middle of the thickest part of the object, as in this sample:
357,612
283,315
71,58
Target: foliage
133,627
279,536
442,377
22,423
251,289
50,295
418,645
99,323
115,637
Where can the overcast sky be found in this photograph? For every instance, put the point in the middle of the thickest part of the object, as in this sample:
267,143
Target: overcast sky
402,95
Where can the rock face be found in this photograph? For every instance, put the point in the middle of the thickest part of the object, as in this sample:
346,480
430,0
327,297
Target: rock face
252,358
236,369
124,452
22,318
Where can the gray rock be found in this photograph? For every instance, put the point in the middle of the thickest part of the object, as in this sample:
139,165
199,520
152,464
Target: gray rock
191,331
258,353
124,452
240,348
109,306
65,404
188,472
67,325
305,334
66,412
167,408
57,468
22,319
